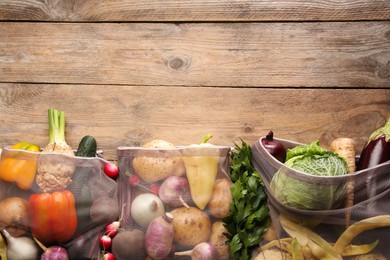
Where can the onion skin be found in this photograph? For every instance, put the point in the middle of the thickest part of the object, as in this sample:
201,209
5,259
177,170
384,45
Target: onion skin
274,147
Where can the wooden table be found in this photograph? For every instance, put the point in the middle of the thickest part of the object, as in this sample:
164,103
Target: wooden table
130,71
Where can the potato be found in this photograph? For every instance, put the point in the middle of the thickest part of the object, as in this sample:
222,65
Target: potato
129,244
218,239
191,226
14,216
218,205
153,169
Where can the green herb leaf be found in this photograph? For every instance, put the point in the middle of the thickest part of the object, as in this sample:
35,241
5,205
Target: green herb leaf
249,213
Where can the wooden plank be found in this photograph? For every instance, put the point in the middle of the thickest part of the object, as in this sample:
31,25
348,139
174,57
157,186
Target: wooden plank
350,54
200,10
132,115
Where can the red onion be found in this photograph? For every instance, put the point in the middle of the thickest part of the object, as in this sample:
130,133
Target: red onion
274,147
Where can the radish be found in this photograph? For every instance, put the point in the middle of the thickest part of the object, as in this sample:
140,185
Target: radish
202,251
159,237
112,229
111,170
105,242
175,191
108,256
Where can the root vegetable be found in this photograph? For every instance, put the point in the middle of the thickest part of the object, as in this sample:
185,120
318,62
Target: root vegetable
53,252
146,207
218,205
274,147
14,216
219,240
345,147
55,172
129,244
175,191
191,226
202,251
20,248
152,169
159,237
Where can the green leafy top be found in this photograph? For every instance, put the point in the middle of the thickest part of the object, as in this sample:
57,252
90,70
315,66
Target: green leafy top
249,213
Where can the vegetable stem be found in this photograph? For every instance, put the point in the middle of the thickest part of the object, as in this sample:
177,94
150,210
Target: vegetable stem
206,138
56,126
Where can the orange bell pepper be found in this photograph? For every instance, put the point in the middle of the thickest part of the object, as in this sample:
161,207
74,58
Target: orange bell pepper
18,166
53,216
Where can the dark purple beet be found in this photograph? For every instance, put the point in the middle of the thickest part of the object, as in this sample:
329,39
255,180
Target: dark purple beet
274,147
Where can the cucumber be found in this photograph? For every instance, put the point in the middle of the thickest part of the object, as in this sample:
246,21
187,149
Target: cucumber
87,147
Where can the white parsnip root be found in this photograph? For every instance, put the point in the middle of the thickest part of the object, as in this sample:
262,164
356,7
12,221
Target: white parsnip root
345,147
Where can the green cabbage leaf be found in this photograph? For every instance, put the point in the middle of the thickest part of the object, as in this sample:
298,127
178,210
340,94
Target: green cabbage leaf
306,192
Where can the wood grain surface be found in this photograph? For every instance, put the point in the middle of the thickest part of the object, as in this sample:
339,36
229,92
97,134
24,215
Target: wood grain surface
332,54
199,10
131,115
130,71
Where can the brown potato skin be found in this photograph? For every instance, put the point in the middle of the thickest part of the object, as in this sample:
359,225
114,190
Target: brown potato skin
219,240
14,216
191,226
218,205
153,169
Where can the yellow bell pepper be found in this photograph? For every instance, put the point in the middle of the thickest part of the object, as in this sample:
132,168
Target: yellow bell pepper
201,164
18,166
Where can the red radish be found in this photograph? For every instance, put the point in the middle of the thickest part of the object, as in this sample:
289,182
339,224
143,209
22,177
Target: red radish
159,237
175,191
112,229
134,180
108,256
154,188
105,242
274,147
202,251
111,170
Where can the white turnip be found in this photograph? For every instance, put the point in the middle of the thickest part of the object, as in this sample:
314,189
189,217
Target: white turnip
202,251
159,237
145,208
175,191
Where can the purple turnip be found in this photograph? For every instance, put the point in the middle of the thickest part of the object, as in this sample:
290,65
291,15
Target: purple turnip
53,252
159,237
175,191
202,251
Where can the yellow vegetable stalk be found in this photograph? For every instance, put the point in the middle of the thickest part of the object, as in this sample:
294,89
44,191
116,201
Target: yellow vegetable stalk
20,167
201,164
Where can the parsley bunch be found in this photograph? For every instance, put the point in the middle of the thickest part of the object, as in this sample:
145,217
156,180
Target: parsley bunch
249,213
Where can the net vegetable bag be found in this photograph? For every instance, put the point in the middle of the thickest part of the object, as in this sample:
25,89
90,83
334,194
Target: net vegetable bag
303,201
72,197
175,199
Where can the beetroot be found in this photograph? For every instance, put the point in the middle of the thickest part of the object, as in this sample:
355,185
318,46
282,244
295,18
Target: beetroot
159,237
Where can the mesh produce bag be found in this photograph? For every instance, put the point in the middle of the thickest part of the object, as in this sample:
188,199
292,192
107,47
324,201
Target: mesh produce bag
71,216
327,217
204,173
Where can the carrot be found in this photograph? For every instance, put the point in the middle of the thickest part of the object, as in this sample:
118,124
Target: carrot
345,147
